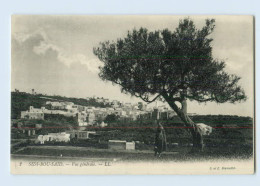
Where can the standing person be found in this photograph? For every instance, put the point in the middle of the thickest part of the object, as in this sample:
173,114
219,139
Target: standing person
160,141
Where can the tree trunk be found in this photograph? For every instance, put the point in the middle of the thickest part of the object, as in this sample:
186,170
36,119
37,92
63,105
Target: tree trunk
197,138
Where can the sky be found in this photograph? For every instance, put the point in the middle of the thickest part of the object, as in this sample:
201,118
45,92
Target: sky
54,54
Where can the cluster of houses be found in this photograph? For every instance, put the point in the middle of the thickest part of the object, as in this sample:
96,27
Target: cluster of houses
89,115
65,136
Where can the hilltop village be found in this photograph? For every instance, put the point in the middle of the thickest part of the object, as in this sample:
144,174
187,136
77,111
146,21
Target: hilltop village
90,115
100,123
45,119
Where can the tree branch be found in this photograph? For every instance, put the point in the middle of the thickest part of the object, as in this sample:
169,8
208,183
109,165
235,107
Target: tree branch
200,100
147,99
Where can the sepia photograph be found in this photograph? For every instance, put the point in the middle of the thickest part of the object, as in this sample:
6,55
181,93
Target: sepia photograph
132,94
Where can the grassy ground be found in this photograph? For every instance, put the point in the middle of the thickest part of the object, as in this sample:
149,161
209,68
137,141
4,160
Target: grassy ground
181,154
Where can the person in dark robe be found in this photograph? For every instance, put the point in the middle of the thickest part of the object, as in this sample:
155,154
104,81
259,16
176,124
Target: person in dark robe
160,141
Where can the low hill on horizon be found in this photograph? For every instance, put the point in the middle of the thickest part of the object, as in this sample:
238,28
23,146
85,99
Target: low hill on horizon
21,101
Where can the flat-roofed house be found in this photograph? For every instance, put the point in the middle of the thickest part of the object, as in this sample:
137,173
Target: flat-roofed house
78,134
32,115
121,145
57,137
85,119
116,144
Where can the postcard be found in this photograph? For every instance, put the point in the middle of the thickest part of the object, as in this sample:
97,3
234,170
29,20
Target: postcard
132,94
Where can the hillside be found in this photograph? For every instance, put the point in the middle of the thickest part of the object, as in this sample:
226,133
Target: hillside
231,134
20,101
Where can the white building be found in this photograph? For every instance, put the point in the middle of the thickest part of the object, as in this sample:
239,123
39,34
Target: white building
57,137
85,119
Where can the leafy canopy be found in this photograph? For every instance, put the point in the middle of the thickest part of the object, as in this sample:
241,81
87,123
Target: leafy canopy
177,64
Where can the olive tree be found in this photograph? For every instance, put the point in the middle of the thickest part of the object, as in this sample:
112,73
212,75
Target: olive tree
170,66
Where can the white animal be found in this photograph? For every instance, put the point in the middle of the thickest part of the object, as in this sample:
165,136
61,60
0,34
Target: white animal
204,129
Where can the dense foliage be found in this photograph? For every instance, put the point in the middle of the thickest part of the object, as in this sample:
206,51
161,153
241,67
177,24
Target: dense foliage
172,66
175,65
